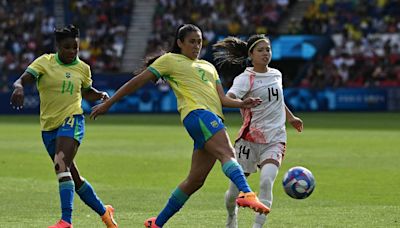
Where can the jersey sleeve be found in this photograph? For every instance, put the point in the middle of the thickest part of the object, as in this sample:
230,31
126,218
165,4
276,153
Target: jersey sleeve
161,66
216,76
241,86
280,78
37,67
87,78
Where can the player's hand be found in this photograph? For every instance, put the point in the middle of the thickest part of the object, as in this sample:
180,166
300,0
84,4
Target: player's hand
297,123
104,97
99,110
251,102
17,98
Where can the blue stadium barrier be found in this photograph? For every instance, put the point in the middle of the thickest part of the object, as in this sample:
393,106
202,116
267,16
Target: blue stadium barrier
154,98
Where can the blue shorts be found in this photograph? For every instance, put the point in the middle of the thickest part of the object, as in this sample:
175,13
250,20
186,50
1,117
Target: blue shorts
73,127
201,126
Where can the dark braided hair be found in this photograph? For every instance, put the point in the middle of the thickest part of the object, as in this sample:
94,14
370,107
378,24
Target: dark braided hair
231,55
69,31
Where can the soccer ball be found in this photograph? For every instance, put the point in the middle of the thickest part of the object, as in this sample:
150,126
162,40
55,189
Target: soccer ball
298,182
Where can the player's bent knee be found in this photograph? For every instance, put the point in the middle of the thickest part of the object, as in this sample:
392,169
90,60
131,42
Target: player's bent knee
270,161
59,163
226,155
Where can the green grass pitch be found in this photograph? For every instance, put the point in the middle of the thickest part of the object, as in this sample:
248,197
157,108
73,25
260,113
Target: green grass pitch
135,161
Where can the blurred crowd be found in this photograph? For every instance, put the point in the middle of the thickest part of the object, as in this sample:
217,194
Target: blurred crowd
26,29
103,26
356,18
26,32
366,36
366,33
215,17
370,62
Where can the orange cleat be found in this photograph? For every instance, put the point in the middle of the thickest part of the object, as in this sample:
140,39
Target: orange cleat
108,217
61,224
151,223
250,199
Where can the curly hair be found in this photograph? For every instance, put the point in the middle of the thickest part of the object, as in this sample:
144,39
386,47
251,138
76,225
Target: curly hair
69,31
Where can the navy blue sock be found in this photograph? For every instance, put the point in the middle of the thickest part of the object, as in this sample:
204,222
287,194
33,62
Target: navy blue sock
234,171
175,203
66,189
89,197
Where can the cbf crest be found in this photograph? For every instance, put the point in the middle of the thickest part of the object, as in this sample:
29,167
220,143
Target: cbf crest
214,124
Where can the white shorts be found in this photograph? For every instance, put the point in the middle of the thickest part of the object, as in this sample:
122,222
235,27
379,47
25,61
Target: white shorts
250,155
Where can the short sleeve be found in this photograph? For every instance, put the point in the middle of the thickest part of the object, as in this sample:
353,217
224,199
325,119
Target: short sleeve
37,67
161,66
280,78
241,86
216,76
87,78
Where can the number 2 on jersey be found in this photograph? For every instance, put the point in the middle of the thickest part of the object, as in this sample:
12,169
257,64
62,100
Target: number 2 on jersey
202,74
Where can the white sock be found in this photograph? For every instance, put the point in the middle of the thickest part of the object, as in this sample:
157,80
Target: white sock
267,178
230,204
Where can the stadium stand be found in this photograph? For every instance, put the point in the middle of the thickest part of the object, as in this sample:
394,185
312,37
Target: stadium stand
103,26
27,32
366,52
222,17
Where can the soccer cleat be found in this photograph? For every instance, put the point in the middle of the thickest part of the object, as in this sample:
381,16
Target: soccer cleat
250,199
61,224
151,223
108,217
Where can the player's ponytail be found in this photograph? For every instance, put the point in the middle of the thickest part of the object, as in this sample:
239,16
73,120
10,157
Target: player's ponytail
230,56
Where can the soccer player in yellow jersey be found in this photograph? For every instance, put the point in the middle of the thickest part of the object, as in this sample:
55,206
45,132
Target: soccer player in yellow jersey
200,96
62,80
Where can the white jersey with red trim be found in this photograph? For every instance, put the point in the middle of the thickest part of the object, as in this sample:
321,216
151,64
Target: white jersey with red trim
266,122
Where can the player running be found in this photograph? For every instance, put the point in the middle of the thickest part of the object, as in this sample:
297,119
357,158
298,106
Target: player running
62,80
262,137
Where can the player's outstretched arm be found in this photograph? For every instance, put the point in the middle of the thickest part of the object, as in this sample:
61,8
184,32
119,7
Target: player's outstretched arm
92,94
295,121
17,97
231,101
129,87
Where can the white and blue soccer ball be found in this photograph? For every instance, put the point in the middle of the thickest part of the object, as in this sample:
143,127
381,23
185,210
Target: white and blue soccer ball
298,182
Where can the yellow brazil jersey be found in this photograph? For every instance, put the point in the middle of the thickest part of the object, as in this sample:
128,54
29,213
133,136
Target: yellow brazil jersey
59,87
194,82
